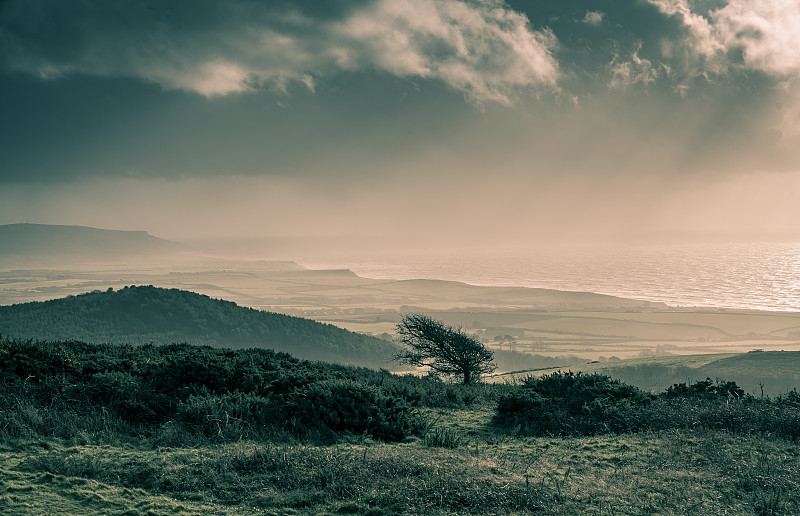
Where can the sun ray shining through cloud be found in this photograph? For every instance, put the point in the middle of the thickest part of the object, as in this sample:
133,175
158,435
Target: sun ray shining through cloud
561,119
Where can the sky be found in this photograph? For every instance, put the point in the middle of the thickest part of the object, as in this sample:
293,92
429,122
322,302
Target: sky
484,121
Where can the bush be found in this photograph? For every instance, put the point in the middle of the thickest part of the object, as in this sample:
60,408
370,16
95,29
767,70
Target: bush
704,389
118,391
336,406
219,393
746,415
430,391
569,404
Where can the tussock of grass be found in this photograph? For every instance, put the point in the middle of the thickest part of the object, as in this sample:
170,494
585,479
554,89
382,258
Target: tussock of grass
378,476
442,438
27,493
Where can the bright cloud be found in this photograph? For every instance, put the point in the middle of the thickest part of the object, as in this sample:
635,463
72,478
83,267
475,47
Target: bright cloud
760,35
632,71
766,32
703,39
485,50
593,18
219,78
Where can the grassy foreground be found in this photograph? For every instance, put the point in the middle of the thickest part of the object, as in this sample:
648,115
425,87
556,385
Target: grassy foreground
183,430
477,471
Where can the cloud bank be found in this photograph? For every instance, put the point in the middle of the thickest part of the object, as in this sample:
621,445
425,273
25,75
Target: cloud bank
484,49
353,89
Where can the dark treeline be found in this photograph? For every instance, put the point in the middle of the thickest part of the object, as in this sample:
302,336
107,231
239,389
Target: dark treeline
143,315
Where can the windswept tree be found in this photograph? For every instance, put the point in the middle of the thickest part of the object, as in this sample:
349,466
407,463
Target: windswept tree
444,349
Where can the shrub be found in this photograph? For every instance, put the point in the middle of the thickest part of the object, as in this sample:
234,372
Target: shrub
569,404
430,391
705,389
118,391
336,406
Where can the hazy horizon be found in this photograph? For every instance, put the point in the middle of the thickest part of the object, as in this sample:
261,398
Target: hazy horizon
415,122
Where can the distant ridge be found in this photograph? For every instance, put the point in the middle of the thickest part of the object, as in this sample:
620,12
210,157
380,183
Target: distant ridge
47,244
146,314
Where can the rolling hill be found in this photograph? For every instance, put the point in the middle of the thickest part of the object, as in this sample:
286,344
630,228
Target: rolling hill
146,314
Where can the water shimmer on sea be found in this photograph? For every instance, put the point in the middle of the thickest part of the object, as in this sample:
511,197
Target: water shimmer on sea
762,276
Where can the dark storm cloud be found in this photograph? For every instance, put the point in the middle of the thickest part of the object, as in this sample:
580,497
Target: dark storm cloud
486,49
375,88
483,49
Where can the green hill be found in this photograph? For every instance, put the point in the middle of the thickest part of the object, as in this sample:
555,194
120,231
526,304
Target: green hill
146,314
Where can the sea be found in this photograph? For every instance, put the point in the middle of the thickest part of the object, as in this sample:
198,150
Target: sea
758,276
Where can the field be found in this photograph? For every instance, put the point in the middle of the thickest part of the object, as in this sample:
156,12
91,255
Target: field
547,322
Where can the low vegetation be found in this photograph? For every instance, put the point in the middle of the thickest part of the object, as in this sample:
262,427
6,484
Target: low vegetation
756,372
181,429
580,404
219,393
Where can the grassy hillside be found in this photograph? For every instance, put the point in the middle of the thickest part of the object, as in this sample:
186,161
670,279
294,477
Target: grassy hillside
122,430
141,315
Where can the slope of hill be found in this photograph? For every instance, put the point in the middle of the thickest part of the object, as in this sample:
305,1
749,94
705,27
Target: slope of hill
140,315
44,244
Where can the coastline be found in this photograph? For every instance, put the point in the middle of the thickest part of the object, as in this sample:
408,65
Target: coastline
530,320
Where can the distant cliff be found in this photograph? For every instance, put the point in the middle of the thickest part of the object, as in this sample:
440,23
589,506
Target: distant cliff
44,244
